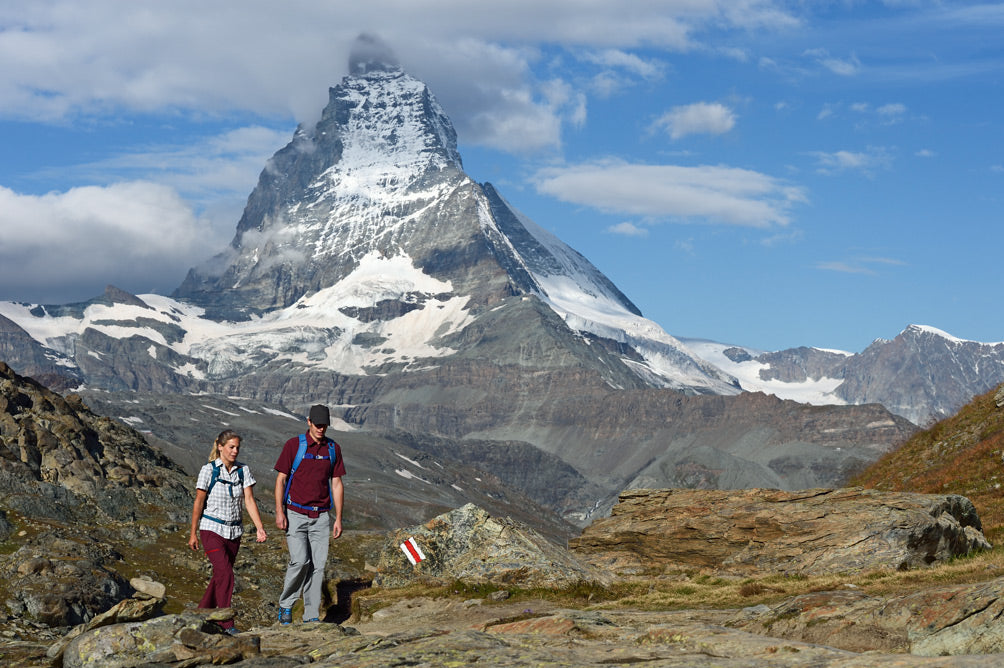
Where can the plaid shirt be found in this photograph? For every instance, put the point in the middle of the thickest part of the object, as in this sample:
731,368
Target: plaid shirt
225,502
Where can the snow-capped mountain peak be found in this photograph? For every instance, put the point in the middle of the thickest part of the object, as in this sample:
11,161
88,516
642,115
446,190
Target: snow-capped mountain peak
380,176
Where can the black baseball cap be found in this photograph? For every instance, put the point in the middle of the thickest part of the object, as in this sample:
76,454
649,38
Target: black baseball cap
319,414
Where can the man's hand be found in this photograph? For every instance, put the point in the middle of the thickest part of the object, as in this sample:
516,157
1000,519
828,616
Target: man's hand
280,502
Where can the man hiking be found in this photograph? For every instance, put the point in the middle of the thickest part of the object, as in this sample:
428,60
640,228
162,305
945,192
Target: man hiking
308,487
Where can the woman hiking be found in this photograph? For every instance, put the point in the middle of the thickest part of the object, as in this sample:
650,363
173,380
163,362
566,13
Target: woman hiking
223,490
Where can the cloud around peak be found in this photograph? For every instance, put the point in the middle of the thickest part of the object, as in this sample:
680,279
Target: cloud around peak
674,193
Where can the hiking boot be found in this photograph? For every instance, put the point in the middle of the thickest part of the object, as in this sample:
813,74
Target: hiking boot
232,631
312,619
285,616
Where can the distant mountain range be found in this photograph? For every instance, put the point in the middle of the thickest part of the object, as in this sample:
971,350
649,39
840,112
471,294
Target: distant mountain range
923,374
371,273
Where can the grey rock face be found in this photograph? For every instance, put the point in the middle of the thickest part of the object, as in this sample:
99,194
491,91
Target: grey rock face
921,374
58,451
46,365
799,364
61,464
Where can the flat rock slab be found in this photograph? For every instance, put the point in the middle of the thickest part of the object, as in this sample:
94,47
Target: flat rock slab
428,632
809,532
949,620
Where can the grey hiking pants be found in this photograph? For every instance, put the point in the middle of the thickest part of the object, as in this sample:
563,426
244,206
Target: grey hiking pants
307,540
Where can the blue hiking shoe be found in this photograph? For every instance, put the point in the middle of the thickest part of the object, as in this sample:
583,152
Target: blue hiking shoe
285,616
312,619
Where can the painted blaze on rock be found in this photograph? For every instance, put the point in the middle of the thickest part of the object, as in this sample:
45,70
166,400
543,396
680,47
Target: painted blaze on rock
807,532
470,545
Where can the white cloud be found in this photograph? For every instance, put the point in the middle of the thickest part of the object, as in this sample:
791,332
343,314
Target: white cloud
861,265
620,70
697,118
737,54
225,164
628,230
887,114
606,84
840,66
277,59
138,236
561,96
844,268
618,59
891,109
712,194
865,162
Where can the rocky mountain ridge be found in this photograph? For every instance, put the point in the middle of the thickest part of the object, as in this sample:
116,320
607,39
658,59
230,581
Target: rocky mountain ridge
922,374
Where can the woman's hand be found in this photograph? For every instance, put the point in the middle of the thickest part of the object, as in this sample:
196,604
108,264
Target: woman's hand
260,538
193,541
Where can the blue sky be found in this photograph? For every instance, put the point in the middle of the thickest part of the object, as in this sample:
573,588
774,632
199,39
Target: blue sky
770,174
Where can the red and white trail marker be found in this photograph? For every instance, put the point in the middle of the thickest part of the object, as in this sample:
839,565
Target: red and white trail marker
412,551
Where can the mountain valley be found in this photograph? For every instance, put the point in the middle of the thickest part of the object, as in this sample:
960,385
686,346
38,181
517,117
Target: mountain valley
456,339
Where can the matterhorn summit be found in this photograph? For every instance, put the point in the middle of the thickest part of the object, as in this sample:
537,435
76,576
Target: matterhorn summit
378,182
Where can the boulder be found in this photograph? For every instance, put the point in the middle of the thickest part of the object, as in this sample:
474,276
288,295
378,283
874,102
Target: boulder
128,610
61,583
190,639
940,621
148,589
808,532
470,545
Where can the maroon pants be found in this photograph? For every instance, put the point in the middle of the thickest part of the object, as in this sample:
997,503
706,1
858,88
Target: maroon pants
222,553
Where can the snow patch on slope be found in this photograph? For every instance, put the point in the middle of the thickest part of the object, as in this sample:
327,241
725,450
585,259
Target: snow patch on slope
313,332
586,305
814,392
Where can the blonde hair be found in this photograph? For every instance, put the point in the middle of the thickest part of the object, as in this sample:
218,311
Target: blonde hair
224,436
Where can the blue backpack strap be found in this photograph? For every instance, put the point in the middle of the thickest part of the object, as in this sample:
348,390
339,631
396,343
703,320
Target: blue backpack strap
215,478
300,451
332,457
234,523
